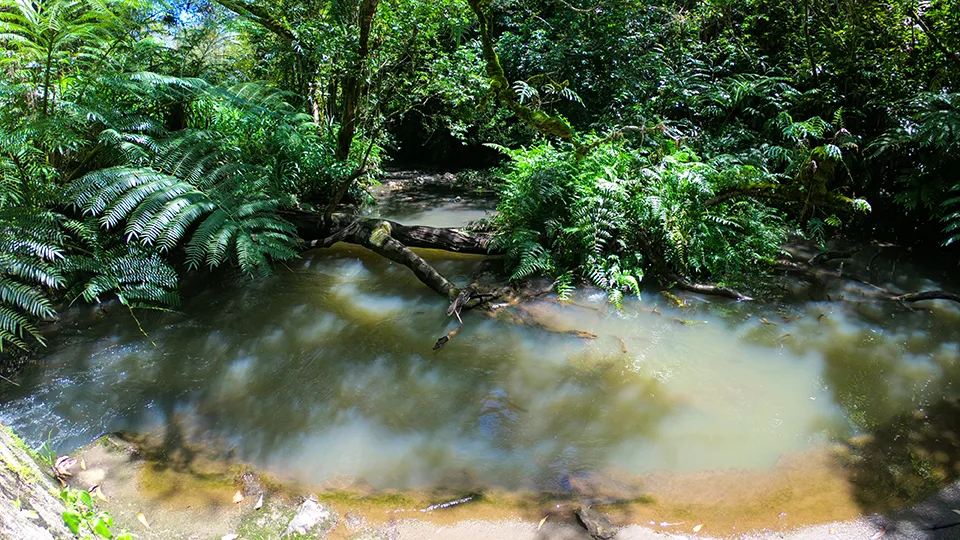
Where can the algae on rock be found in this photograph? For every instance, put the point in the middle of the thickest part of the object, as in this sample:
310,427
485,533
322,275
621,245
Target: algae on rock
28,508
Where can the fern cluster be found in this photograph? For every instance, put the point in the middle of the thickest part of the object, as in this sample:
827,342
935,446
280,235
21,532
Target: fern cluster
102,266
616,215
110,177
925,146
30,253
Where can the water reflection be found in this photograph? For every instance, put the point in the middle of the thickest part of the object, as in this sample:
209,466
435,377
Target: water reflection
326,371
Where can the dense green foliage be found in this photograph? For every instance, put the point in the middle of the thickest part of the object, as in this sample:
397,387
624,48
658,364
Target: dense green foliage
615,213
92,146
817,107
140,140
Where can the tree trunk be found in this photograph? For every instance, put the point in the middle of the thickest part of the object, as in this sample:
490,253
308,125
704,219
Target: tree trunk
351,99
331,104
352,82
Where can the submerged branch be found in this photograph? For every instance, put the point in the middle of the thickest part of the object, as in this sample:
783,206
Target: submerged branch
809,268
713,290
927,295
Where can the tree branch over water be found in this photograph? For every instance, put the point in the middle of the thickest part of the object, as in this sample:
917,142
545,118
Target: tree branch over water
500,85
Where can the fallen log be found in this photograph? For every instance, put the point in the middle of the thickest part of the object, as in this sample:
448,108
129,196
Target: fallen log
394,240
712,290
377,236
313,229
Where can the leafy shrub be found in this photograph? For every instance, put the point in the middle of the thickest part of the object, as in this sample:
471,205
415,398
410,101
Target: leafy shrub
615,215
924,145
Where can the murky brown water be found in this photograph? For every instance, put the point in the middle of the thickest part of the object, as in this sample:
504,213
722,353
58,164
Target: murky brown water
325,372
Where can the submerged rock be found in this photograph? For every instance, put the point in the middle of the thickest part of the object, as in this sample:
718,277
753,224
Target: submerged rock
311,518
597,523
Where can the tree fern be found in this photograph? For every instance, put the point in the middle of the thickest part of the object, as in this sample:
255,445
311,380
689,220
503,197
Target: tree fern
30,249
107,267
162,210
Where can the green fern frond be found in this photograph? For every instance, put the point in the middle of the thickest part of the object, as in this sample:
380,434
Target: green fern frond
30,254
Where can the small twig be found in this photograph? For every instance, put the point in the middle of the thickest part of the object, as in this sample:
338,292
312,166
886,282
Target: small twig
140,326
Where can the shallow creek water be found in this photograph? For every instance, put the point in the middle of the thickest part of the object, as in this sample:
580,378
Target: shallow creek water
325,371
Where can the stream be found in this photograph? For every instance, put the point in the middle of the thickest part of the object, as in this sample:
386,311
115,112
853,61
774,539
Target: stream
325,372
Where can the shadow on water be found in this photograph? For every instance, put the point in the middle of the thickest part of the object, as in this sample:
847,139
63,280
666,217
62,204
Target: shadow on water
895,372
907,467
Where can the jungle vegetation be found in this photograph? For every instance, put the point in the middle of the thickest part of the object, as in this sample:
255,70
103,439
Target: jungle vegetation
669,140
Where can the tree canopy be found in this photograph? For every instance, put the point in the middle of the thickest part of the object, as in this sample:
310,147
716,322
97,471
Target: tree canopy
668,140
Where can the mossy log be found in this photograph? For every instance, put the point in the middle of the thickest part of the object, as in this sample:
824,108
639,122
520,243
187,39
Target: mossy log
393,241
376,235
319,232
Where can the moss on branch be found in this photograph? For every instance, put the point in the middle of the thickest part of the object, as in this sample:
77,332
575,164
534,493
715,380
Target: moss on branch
542,122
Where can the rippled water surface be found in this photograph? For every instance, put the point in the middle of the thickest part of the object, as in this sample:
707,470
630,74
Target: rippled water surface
326,370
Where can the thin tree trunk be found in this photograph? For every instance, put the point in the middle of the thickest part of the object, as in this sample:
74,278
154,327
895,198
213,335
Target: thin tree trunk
46,79
351,87
331,105
352,83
